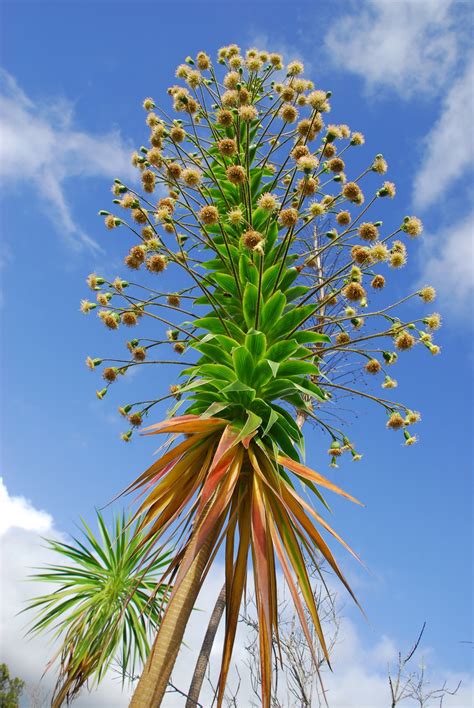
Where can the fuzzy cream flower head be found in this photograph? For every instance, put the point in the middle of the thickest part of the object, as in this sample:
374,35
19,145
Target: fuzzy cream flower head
94,281
352,192
191,176
318,101
203,61
379,252
173,300
427,293
177,134
87,306
224,118
361,255
373,366
307,186
342,338
368,231
148,104
433,321
379,165
251,239
397,260
307,163
236,174
404,341
354,292
276,60
410,439
287,92
156,263
247,113
155,157
316,209
389,383
288,217
343,218
110,221
378,282
387,190
357,139
395,422
412,226
268,202
299,151
232,79
227,147
230,98
254,63
412,417
333,133
235,216
110,319
288,113
209,215
336,165
193,78
295,68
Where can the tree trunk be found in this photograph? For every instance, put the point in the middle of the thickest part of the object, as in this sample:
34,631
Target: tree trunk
157,671
205,653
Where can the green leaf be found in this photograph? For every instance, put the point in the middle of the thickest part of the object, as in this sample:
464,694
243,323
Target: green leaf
226,282
308,337
282,350
243,364
262,374
249,304
248,273
297,367
239,392
272,310
218,326
256,343
216,371
216,354
289,322
274,366
269,279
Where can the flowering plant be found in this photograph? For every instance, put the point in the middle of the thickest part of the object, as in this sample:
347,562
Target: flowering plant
246,191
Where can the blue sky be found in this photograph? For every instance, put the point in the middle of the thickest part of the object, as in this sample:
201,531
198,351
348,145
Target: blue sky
73,79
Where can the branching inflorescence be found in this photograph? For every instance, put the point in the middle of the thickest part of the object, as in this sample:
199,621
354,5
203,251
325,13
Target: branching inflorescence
246,191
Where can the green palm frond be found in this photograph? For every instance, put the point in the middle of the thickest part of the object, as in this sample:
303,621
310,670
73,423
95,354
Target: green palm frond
105,603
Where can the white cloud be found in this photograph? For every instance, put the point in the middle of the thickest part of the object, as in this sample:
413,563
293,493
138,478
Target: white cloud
40,147
448,264
18,513
449,146
360,671
408,45
21,550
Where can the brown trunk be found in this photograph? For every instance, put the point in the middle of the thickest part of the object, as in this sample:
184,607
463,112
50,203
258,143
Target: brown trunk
205,653
157,671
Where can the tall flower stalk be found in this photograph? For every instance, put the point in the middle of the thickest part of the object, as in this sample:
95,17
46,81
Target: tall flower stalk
246,192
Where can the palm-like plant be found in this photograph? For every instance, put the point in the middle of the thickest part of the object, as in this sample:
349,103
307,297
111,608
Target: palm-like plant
277,254
104,605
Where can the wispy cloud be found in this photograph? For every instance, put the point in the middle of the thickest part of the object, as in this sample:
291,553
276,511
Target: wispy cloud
40,147
449,146
408,45
448,264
